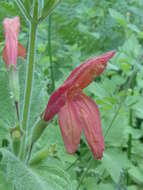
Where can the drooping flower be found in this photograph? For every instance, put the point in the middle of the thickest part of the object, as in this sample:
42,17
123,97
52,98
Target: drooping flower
76,111
12,48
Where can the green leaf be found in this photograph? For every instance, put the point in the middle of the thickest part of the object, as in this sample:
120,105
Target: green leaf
118,17
91,183
115,134
133,187
56,177
23,177
106,186
7,111
136,175
133,28
112,167
19,174
115,162
3,182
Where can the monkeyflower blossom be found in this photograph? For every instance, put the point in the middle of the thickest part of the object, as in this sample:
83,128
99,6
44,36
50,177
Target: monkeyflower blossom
76,111
12,48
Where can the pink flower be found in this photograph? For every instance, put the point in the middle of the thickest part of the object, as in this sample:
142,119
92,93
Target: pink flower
12,48
76,111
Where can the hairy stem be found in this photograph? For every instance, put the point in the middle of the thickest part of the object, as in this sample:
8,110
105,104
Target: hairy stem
29,80
29,75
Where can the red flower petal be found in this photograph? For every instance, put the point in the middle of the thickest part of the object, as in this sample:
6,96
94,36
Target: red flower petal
78,79
70,126
21,53
56,101
81,113
11,30
90,123
83,75
89,116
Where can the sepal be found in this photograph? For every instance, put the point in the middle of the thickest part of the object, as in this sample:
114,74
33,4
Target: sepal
14,83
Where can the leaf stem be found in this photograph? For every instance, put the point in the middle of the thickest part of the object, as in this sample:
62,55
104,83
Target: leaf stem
23,10
44,16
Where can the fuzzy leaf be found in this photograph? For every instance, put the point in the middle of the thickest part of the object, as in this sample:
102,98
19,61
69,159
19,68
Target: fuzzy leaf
24,177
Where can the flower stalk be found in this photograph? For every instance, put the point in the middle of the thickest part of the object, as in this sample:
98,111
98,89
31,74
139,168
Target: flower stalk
29,75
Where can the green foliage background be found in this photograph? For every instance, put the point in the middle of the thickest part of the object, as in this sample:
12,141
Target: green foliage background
80,29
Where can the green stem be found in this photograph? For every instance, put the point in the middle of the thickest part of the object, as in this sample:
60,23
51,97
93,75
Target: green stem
29,75
23,10
50,54
30,69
